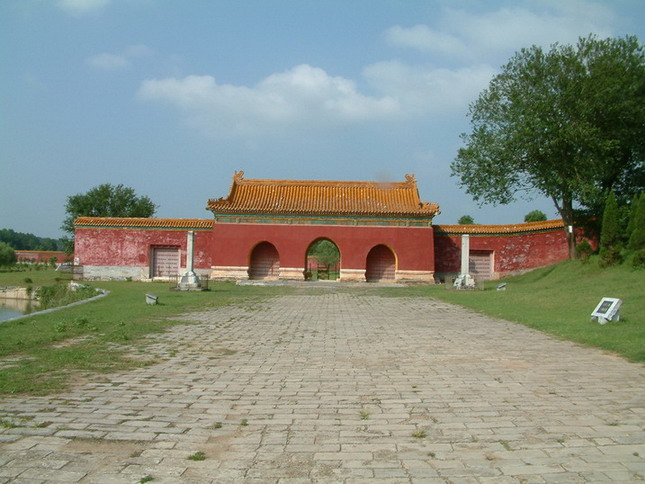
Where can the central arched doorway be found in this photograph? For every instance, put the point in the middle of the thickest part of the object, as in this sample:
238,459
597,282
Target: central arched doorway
322,261
380,265
265,262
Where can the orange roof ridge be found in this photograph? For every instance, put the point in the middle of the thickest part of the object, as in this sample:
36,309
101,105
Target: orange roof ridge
504,228
143,222
323,197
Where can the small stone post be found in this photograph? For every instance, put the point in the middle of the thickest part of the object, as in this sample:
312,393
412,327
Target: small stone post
464,280
189,280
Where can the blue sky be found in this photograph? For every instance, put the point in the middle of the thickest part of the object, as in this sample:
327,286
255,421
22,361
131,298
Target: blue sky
170,97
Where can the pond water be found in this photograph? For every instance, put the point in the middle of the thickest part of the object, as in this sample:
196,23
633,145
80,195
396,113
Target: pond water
13,308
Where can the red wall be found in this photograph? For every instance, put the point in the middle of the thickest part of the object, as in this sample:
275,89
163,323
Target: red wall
413,246
42,256
131,247
511,252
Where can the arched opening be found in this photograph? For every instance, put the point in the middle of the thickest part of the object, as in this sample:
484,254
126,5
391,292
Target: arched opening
322,261
265,262
380,265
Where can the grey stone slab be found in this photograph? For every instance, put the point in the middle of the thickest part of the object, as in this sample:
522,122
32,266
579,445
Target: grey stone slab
342,387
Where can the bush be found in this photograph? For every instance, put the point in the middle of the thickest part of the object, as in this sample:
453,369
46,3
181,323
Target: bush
610,233
637,224
584,250
7,255
638,262
466,220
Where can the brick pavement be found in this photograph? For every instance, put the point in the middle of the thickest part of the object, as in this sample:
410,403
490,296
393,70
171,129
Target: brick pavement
335,386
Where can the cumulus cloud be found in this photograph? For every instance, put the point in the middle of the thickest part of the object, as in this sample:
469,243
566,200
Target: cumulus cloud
107,62
471,35
301,96
115,62
78,8
421,89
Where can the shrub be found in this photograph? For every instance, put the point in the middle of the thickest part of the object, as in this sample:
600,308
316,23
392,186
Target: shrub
638,262
7,255
637,222
466,220
584,250
610,233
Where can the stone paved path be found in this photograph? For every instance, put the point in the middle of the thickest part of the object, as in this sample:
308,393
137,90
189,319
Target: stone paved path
338,387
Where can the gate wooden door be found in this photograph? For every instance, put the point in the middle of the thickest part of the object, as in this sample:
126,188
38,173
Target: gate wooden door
265,262
165,261
381,264
481,264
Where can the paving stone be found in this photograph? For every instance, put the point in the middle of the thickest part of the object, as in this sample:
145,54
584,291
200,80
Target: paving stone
497,402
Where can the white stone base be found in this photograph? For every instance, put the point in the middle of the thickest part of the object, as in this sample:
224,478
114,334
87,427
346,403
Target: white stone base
352,275
419,277
292,273
119,273
229,272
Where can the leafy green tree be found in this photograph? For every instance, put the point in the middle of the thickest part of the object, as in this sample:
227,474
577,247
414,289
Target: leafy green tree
325,252
610,233
568,123
535,216
466,220
637,235
106,201
7,255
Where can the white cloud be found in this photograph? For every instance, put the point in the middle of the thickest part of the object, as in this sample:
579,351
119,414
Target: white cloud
300,97
420,90
501,32
108,62
78,8
115,62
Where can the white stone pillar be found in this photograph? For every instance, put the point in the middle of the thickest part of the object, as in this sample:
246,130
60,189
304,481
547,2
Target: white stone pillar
190,244
465,254
189,280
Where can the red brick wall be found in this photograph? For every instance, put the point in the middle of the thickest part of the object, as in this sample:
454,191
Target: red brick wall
42,256
511,253
132,247
413,246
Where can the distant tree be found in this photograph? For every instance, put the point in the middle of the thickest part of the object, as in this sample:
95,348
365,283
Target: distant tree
7,255
466,220
568,123
535,216
610,233
325,252
22,241
106,201
637,235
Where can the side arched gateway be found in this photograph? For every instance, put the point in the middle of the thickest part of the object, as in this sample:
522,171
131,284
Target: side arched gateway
265,262
380,265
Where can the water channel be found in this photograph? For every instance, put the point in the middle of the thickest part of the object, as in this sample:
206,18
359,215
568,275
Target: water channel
14,308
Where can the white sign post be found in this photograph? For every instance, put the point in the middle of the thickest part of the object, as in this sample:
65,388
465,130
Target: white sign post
607,310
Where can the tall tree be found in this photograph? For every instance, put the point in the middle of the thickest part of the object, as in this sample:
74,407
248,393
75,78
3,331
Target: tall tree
568,124
106,201
7,255
535,216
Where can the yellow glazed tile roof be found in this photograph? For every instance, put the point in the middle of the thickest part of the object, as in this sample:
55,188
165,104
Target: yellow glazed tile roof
323,197
500,229
145,223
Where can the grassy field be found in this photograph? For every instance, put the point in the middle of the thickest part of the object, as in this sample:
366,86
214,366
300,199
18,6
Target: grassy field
45,353
42,354
559,300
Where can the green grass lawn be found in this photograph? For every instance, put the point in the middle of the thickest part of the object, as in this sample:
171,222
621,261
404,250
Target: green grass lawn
43,353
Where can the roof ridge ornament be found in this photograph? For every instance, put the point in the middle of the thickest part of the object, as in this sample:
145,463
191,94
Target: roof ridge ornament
238,176
410,179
